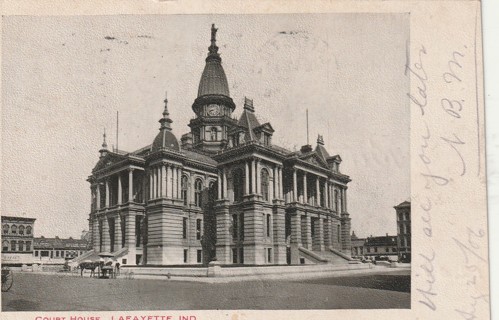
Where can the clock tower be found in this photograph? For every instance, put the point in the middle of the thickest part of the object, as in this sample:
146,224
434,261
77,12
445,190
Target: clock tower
213,106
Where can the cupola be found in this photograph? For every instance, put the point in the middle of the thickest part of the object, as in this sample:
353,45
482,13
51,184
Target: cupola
165,137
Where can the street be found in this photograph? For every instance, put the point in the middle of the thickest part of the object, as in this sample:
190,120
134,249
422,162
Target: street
52,292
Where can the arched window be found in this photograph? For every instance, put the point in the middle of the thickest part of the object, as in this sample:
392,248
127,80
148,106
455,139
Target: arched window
13,245
5,246
21,246
28,245
213,133
185,187
13,229
5,229
21,230
264,184
28,230
198,189
238,184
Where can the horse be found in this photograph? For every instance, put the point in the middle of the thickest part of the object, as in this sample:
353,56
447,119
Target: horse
89,266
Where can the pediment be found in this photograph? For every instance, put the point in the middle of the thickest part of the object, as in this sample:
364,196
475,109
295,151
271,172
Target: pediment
314,159
107,161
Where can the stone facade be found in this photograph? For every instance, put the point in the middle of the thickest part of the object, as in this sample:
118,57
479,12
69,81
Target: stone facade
403,216
225,192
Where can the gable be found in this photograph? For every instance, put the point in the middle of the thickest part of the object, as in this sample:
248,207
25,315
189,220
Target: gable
315,159
107,161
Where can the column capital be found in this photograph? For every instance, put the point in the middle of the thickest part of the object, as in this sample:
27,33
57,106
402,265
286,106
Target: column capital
130,169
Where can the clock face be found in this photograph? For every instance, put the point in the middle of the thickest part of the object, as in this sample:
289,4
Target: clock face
213,110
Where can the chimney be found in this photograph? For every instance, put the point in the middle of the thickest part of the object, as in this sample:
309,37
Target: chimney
186,141
306,148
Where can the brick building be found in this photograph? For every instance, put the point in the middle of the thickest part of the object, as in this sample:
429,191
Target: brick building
224,190
403,216
17,240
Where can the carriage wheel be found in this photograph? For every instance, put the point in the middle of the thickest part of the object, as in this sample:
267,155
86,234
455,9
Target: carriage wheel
7,280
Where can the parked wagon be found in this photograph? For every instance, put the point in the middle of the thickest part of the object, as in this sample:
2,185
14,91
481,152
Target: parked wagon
7,279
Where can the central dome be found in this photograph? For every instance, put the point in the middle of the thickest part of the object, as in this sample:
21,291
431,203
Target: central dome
213,81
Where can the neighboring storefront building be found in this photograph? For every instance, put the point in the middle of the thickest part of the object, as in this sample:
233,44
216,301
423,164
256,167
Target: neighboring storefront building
383,246
57,250
17,240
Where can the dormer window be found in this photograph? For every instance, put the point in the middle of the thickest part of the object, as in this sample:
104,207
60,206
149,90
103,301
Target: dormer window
266,140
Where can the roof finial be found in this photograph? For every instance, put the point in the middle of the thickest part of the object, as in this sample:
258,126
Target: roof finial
104,143
320,140
103,151
165,121
248,104
213,49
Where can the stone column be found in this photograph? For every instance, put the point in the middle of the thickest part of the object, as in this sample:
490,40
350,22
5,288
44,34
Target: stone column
169,181
308,231
97,196
257,178
318,191
120,191
174,182
117,233
107,193
130,238
295,238
327,233
279,234
95,234
224,178
320,234
130,185
295,186
253,176
163,181
219,176
281,186
150,183
345,209
305,193
179,182
106,241
246,179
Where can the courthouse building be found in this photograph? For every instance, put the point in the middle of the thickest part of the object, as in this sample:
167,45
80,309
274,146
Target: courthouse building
222,191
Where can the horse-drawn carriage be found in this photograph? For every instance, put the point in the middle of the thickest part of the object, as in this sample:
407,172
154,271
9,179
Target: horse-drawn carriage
7,279
105,269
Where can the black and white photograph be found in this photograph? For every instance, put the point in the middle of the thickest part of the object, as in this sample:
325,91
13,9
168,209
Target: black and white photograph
210,162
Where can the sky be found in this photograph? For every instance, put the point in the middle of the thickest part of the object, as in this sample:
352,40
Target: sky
64,79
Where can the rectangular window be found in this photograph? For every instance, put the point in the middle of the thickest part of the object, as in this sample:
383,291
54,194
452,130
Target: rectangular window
241,226
44,253
234,255
184,228
138,231
268,225
269,255
234,226
198,229
394,249
375,249
368,250
186,252
199,256
62,254
36,253
57,253
241,255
